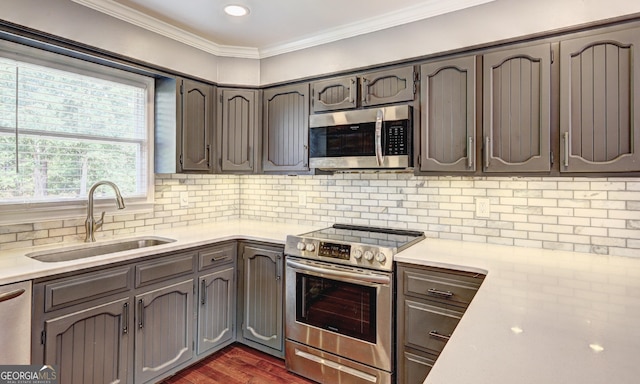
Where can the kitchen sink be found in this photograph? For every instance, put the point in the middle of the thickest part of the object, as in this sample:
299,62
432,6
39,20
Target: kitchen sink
89,250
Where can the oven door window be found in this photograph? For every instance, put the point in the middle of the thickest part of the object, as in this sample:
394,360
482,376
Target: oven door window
345,308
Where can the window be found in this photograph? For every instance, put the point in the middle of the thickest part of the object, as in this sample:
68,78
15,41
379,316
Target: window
66,124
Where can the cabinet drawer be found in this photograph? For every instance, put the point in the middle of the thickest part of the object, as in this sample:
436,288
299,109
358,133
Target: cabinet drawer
163,268
457,288
214,256
86,287
428,326
415,366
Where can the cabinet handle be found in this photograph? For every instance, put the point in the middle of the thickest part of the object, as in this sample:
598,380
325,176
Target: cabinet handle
208,155
352,89
487,151
437,292
365,90
440,336
565,136
278,267
203,292
125,318
141,313
470,152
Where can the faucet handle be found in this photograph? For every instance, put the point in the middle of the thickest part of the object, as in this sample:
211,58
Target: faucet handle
99,223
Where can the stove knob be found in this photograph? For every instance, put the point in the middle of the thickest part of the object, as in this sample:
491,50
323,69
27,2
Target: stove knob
381,257
300,246
310,247
368,255
357,254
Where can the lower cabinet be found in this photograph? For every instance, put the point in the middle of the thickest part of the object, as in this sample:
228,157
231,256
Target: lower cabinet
141,322
91,345
216,309
164,330
260,297
431,302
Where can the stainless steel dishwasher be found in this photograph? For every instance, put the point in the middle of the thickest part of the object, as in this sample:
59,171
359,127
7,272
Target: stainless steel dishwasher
15,323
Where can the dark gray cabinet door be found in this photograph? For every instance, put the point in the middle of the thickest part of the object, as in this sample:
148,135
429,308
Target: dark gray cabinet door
216,309
286,128
263,294
163,330
92,345
388,86
600,103
197,125
517,102
238,119
448,102
334,94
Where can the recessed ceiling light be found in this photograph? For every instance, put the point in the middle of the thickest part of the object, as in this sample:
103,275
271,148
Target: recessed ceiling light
236,10
596,347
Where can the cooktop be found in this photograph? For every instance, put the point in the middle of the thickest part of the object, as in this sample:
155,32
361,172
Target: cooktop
369,247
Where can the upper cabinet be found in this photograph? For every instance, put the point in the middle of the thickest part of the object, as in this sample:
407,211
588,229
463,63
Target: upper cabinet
388,86
517,102
238,117
334,94
183,126
286,129
600,103
369,89
448,115
197,125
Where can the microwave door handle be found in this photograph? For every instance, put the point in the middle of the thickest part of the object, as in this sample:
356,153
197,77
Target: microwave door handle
379,120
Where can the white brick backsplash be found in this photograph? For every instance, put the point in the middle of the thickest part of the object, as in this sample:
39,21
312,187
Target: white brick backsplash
575,221
594,213
629,196
591,231
543,219
600,215
544,185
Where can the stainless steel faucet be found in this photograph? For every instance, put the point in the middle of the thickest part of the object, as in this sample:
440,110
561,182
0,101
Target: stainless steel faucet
90,225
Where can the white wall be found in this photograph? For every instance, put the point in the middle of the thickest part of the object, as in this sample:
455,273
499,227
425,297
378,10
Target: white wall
501,19
72,21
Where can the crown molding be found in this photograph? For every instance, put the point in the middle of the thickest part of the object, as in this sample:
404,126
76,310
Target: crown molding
147,22
418,12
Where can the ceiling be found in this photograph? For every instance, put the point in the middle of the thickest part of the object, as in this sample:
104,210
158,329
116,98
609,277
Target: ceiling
272,27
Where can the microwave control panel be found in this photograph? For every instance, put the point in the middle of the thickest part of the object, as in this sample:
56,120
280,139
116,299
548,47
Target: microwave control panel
396,139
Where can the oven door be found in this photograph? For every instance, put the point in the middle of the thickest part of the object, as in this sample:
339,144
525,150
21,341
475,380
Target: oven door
342,310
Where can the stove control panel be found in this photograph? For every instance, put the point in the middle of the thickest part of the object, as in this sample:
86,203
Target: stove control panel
350,254
335,251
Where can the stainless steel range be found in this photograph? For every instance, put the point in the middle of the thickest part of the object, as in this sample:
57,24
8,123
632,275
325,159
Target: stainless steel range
340,317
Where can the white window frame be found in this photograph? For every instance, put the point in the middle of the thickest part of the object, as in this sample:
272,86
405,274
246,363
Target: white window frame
32,212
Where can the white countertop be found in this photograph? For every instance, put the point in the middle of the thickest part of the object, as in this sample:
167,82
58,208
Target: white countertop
14,266
532,321
537,316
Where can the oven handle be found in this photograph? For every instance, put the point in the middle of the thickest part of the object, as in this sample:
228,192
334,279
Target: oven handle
367,278
379,120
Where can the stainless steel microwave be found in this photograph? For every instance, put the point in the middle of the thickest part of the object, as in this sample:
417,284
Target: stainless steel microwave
375,138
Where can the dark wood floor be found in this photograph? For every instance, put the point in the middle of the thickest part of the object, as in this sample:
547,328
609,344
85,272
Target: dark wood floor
238,364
